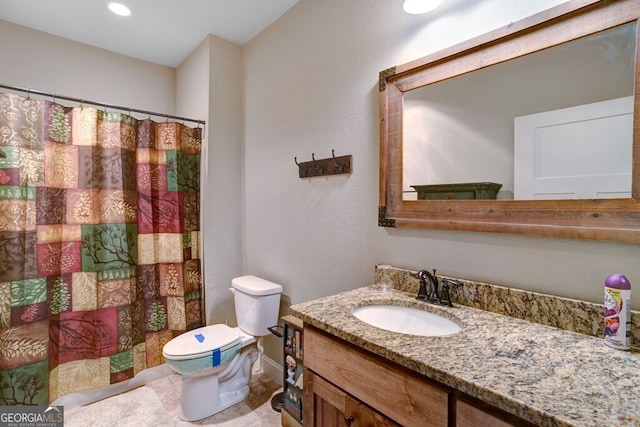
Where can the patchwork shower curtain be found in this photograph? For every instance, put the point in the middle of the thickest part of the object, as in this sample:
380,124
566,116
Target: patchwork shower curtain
99,246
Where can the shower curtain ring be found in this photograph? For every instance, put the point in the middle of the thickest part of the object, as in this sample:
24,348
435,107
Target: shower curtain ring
28,93
54,97
81,104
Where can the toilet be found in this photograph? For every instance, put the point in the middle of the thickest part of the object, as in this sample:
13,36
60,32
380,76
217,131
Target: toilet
215,361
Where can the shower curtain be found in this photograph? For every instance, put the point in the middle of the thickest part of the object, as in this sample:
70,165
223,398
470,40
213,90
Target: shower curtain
99,246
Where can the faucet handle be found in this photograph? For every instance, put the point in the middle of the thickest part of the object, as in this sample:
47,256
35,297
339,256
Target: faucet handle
445,296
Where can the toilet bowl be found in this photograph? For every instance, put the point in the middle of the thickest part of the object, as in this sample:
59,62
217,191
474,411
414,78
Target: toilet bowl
215,361
215,364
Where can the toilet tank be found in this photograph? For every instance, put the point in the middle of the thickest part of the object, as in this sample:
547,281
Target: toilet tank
257,303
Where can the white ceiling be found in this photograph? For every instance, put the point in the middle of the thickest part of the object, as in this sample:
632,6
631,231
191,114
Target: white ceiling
160,31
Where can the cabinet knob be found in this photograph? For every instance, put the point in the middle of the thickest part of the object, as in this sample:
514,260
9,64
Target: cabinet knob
348,420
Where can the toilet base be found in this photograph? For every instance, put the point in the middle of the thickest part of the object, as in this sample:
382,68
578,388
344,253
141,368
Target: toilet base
204,396
225,401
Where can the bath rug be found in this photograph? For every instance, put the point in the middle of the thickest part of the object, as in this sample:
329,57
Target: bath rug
139,407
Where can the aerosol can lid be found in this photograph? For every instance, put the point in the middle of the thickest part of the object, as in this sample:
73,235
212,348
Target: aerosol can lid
617,281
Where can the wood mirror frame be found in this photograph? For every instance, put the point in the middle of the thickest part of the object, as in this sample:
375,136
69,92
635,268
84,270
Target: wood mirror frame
596,219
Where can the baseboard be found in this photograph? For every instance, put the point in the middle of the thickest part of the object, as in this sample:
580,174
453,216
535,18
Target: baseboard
272,369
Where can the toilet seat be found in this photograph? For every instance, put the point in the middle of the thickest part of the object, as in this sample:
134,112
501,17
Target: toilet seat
202,342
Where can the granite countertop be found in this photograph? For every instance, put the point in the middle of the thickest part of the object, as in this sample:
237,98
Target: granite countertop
545,375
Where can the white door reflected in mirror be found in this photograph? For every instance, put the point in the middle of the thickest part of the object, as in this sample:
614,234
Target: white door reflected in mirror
575,153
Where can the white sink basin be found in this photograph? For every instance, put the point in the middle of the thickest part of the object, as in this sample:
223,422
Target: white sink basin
406,320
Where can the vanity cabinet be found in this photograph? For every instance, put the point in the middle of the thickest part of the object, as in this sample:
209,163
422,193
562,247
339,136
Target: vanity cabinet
345,385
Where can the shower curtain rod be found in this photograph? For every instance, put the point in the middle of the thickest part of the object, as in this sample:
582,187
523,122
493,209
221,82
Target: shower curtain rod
53,95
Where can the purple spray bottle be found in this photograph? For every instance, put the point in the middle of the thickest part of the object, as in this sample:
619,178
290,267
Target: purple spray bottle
617,312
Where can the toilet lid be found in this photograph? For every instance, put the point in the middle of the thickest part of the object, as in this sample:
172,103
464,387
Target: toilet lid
201,342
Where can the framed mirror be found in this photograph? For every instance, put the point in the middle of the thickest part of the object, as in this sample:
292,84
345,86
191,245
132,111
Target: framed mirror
530,129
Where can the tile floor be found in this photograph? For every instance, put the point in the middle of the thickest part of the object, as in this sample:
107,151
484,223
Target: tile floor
255,411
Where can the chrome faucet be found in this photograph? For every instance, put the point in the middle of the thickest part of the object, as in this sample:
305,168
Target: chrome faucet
431,294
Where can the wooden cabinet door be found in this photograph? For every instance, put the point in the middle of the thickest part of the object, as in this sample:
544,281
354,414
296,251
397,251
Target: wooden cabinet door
324,404
328,406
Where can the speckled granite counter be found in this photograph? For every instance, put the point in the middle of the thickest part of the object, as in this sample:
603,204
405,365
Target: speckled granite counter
546,375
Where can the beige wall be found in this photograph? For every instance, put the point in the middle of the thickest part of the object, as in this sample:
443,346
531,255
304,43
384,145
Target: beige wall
311,85
221,87
210,83
49,63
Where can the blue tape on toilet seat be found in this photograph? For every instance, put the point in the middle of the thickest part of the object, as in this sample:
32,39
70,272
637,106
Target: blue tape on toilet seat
212,359
215,357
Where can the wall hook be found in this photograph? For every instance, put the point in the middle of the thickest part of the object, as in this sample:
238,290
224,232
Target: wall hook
339,166
302,169
317,166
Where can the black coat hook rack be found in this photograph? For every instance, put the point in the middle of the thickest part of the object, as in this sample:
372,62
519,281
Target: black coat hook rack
320,167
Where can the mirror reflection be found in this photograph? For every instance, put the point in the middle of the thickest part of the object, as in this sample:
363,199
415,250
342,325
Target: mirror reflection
555,124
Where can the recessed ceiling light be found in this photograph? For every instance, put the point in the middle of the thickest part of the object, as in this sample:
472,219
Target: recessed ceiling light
416,7
119,9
